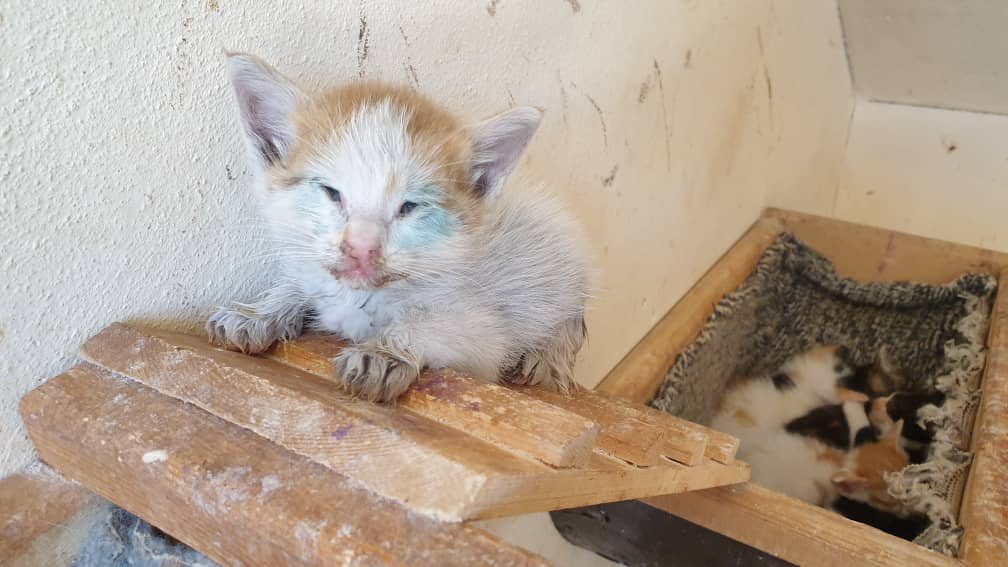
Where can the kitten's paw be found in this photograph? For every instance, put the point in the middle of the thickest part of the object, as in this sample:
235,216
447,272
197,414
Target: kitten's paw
534,369
249,332
375,373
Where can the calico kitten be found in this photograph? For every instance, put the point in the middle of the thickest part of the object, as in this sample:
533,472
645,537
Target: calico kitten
394,229
754,407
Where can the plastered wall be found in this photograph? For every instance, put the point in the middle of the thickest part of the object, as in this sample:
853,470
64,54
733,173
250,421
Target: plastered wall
122,178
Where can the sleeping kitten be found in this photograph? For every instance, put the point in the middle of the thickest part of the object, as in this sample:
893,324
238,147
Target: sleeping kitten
754,407
395,230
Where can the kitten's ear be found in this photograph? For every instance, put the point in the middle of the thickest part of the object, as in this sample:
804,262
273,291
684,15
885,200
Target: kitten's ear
847,482
498,143
266,100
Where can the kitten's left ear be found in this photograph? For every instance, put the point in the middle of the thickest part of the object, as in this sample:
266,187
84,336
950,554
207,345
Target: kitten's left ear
498,144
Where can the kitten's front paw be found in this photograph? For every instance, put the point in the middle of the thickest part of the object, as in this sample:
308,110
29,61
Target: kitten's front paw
248,331
374,373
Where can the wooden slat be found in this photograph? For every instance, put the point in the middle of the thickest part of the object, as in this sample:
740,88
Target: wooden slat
487,411
34,503
391,450
638,376
636,434
793,530
876,254
624,434
228,492
370,442
984,513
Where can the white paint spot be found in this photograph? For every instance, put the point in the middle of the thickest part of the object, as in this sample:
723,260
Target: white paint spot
269,484
158,456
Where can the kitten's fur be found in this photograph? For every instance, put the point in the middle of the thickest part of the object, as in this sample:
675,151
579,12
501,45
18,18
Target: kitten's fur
395,230
801,430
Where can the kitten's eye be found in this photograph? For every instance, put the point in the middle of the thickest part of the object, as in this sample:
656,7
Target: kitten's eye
332,194
407,208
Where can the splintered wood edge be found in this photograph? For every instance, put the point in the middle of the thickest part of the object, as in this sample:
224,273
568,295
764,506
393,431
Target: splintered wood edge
490,412
226,491
639,375
794,530
34,502
984,511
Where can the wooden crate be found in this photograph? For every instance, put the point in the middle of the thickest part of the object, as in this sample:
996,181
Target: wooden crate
786,527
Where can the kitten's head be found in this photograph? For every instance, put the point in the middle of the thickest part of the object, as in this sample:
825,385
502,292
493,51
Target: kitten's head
372,183
864,476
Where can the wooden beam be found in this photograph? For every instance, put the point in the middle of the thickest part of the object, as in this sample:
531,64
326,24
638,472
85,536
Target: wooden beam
370,442
984,512
228,492
876,254
639,375
33,504
433,469
793,530
487,411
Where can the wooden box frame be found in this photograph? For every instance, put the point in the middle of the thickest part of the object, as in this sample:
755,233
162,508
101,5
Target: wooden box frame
786,527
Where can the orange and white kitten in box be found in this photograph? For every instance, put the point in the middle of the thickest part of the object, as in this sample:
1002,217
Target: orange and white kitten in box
397,229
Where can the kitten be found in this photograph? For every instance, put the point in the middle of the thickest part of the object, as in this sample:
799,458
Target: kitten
395,230
819,473
754,407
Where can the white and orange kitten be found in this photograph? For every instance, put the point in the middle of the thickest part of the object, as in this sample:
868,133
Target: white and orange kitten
395,229
806,435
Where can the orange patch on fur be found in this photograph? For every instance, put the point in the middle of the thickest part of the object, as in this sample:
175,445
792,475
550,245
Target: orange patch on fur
830,455
744,418
435,135
874,460
847,395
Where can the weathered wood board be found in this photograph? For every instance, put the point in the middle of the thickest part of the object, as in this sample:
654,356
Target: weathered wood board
228,492
404,452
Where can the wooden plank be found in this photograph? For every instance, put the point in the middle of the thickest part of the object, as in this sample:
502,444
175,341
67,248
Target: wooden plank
984,512
226,491
625,435
793,530
34,503
391,450
876,254
638,376
370,442
487,411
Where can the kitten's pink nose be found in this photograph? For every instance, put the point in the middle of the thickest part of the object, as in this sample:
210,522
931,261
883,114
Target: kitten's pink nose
364,253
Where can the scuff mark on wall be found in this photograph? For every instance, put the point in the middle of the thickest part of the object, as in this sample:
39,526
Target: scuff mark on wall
664,110
607,181
411,73
492,7
563,103
645,89
766,75
575,5
213,5
601,115
688,59
363,44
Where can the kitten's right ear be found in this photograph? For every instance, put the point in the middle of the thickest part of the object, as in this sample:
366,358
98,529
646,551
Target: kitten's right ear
266,100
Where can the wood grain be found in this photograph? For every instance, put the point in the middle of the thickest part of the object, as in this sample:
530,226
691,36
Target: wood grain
228,492
487,411
793,530
984,512
639,375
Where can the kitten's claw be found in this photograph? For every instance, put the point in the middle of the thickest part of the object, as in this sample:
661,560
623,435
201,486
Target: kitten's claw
374,373
247,331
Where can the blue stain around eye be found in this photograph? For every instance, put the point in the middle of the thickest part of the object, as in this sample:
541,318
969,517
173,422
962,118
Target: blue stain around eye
428,222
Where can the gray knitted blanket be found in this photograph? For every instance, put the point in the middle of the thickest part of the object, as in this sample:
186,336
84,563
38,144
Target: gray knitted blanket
794,300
